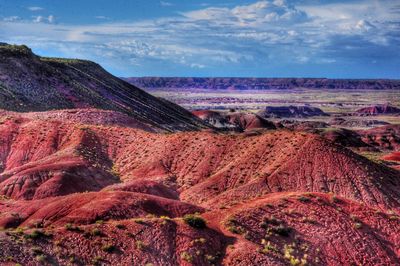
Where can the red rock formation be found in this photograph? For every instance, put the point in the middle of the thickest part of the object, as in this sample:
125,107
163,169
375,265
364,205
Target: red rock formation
256,193
386,137
380,109
238,121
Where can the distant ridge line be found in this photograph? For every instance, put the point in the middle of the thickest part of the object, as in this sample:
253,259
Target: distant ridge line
262,83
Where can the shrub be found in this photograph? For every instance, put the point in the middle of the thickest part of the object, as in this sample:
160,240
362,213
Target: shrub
269,248
140,244
236,229
71,227
96,232
120,226
210,258
97,260
357,225
200,240
186,257
36,250
108,248
41,258
303,199
195,221
138,221
282,230
35,234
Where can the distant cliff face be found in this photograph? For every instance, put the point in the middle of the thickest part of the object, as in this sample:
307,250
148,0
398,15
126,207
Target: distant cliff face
32,83
291,111
262,83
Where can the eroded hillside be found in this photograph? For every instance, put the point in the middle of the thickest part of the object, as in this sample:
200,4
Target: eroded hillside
112,194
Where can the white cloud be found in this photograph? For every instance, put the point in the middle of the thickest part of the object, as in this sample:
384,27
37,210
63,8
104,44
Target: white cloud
43,19
164,3
262,33
11,18
35,8
51,19
257,14
102,17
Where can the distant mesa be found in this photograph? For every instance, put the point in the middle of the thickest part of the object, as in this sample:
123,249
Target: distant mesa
237,121
308,126
33,83
339,121
379,109
262,83
291,111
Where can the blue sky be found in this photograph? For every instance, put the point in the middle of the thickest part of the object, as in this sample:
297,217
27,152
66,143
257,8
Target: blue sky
274,38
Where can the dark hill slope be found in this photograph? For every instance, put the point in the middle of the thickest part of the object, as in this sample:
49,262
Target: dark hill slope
32,83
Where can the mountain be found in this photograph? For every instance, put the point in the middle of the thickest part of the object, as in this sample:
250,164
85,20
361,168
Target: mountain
262,83
75,189
32,83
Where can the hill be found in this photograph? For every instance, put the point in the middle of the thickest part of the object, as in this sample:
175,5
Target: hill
291,111
32,83
111,194
380,109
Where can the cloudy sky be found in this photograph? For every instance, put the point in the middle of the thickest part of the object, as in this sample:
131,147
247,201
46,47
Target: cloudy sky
274,38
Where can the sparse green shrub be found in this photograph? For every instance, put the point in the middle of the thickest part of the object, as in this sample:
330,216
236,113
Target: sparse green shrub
186,257
138,221
304,199
335,199
35,234
282,230
36,250
195,221
236,229
97,260
140,244
357,225
108,248
200,240
41,258
120,226
96,232
72,259
210,258
268,248
73,228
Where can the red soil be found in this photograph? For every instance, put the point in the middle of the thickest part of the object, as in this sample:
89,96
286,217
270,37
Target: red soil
394,156
387,137
327,229
48,167
87,208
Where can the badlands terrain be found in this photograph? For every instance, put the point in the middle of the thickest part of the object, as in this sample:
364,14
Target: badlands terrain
94,171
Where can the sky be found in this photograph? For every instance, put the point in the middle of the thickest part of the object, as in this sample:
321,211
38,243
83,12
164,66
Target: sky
215,38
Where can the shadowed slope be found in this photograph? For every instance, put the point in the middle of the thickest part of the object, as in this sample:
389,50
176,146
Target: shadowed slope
32,83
